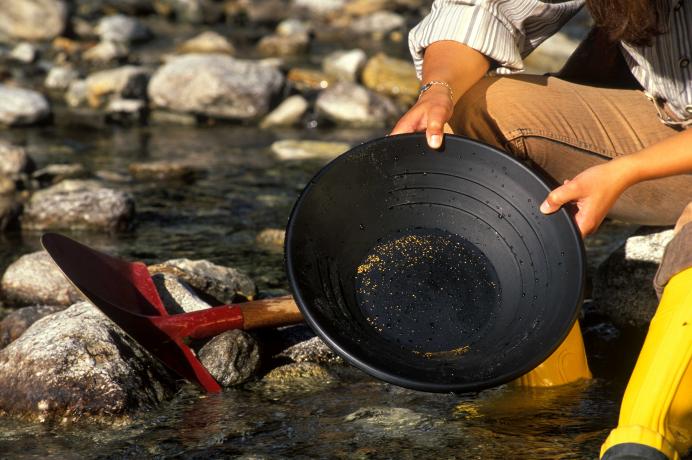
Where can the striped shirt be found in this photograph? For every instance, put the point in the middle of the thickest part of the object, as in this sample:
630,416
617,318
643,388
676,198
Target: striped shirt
509,30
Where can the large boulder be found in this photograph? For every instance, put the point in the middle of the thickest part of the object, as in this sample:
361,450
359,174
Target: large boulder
32,19
34,279
126,82
19,106
78,205
351,104
215,85
78,364
623,289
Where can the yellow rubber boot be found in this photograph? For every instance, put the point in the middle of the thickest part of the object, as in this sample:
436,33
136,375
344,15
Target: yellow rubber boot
657,407
567,364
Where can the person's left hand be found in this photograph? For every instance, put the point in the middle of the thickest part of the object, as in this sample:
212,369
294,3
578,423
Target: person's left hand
594,191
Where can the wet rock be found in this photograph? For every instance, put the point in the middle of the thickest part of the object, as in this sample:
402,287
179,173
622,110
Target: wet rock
288,113
272,239
13,325
126,82
267,11
350,104
224,284
104,52
24,52
76,94
52,174
193,11
176,295
14,160
293,26
7,186
320,7
165,170
299,375
126,111
77,364
392,420
60,77
283,45
378,24
207,42
78,205
345,65
32,19
9,211
313,350
122,29
20,106
215,85
231,358
34,279
308,80
391,76
623,289
295,149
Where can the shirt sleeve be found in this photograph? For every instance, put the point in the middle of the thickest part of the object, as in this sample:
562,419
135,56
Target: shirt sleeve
506,31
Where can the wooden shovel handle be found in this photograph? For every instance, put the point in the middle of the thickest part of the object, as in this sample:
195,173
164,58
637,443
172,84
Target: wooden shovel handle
279,311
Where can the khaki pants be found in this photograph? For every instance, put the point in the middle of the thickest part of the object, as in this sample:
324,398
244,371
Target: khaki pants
564,128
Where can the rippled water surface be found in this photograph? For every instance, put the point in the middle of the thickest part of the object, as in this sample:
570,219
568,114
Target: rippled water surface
347,416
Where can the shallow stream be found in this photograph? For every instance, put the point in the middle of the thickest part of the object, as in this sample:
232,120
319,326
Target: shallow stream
217,217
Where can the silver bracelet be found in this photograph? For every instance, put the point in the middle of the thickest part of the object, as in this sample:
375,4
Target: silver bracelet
431,83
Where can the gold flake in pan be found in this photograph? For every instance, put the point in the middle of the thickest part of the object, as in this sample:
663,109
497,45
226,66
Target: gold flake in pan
443,354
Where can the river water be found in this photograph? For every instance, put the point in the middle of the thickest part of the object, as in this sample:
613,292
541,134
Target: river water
348,415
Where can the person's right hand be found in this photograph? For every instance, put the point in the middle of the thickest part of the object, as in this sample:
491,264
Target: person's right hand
429,114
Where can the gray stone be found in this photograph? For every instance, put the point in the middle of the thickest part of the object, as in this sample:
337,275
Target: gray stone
76,95
231,358
176,295
378,23
119,28
320,7
19,106
345,65
13,325
107,51
215,85
126,82
283,45
14,160
24,52
623,289
77,364
60,77
32,19
225,284
34,279
350,104
207,42
296,149
126,111
52,174
165,170
297,376
10,210
313,350
288,113
78,205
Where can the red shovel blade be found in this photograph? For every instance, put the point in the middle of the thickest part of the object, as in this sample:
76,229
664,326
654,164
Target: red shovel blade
125,293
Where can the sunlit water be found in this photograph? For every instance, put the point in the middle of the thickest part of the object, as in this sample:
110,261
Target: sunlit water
350,415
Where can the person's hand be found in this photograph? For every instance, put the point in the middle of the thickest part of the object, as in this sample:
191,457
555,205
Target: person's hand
594,191
429,114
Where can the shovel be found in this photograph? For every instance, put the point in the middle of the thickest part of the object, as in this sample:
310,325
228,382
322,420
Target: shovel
125,293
